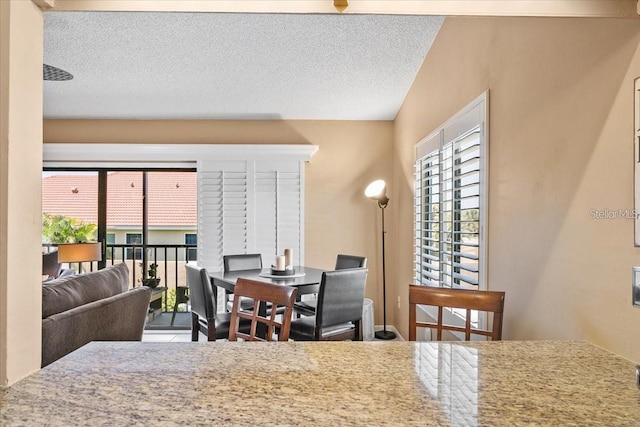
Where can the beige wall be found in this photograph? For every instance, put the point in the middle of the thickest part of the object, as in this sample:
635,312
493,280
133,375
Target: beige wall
561,144
21,35
338,218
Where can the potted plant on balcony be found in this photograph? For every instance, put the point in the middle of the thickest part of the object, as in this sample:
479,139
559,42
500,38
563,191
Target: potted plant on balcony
152,280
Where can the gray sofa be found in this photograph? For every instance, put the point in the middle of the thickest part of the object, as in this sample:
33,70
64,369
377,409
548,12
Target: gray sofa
95,306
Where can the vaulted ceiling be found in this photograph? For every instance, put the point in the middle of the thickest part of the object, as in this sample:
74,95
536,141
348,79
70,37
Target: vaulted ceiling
171,65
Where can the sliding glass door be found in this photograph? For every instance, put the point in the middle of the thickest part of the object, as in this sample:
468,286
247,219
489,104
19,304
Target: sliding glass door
142,218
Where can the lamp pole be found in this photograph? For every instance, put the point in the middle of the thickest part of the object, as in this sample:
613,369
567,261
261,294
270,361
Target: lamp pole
377,191
384,334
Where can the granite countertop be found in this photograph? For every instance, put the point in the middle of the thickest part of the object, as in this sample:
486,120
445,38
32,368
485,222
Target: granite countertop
341,383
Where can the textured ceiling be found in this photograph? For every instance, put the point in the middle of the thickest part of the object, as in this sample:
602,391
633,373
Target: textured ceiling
233,66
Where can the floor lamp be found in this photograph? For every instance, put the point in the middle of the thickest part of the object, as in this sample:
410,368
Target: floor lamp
377,191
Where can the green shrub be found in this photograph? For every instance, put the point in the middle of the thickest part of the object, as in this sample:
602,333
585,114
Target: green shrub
171,299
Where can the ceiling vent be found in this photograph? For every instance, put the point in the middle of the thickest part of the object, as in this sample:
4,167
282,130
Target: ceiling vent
55,74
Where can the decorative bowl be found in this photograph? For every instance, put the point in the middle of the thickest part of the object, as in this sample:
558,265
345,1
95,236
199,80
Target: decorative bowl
282,272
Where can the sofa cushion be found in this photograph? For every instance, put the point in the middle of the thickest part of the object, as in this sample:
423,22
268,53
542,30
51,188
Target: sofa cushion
68,292
117,318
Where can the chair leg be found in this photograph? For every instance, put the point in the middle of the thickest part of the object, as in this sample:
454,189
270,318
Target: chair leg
211,329
195,327
181,298
226,300
297,313
175,308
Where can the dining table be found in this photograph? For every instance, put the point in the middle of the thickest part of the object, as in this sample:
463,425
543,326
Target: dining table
305,279
374,383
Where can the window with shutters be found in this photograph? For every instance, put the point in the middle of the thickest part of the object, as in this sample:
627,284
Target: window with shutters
253,206
451,200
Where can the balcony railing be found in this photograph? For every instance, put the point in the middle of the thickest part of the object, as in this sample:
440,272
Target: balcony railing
169,258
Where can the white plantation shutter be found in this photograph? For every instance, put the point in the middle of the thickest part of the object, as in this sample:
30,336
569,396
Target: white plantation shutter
278,209
252,206
265,207
459,210
427,226
450,202
290,220
222,211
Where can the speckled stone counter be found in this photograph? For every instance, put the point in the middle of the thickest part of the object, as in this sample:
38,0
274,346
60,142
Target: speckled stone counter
346,383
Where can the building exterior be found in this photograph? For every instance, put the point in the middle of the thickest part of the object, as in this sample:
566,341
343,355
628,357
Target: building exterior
172,207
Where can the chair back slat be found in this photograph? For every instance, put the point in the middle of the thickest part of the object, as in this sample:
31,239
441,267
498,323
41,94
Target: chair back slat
241,262
262,293
487,301
350,261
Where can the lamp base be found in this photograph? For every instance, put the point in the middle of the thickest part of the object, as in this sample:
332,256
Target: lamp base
385,335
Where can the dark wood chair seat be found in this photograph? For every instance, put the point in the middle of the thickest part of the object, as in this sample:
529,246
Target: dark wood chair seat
221,324
305,330
306,308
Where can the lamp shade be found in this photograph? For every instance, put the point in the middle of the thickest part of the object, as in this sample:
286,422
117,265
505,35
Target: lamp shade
79,252
377,191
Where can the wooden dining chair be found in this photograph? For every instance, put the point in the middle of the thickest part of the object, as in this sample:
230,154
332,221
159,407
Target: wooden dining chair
308,308
262,293
204,315
339,312
490,302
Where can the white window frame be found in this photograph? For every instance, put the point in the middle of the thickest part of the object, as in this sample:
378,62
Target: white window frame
475,114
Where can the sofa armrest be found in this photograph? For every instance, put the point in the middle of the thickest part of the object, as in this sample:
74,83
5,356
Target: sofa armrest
118,318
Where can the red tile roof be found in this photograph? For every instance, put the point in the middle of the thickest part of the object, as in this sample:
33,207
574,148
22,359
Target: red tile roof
172,198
